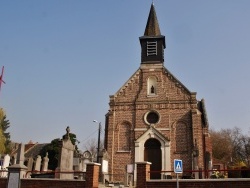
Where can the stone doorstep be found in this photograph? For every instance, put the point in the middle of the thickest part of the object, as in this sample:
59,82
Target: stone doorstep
113,185
118,186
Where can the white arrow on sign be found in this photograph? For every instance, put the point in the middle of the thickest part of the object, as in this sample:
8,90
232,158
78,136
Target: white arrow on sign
178,166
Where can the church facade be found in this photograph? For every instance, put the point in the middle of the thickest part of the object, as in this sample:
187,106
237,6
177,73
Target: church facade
154,117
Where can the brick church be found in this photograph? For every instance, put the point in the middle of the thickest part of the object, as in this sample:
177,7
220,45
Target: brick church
154,117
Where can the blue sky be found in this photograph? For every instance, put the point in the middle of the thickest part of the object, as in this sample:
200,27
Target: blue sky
64,58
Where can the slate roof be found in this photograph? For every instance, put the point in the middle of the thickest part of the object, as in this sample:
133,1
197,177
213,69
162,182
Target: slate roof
152,28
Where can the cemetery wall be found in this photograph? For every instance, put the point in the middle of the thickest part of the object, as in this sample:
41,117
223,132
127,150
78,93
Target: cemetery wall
42,183
52,183
143,181
91,180
3,182
239,183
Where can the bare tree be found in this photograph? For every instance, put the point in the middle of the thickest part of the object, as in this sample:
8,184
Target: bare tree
222,145
230,145
91,146
244,149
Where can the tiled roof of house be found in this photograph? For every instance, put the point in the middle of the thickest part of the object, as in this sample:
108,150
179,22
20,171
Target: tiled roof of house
34,150
30,149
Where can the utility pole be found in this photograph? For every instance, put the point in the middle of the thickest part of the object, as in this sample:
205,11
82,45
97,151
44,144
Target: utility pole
99,140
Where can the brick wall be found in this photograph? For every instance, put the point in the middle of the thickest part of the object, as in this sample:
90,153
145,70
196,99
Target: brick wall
92,177
52,183
3,182
223,183
142,174
42,183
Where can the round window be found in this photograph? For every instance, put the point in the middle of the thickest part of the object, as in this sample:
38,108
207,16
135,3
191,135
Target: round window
152,117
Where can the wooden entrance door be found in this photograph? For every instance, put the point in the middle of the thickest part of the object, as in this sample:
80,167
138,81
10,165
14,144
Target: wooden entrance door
152,153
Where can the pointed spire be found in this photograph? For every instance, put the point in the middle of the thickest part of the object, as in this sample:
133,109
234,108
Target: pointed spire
152,28
152,43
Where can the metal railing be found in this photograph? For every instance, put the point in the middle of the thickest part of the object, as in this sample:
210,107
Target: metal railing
53,174
207,174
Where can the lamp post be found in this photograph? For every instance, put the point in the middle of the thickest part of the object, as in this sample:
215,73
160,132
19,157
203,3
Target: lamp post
99,134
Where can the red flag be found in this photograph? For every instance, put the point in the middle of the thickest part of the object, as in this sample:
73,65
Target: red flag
1,78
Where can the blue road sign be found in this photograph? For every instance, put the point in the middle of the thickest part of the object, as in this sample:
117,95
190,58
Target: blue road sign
178,168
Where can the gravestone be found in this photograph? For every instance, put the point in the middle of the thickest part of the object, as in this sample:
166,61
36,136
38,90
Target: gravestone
30,166
5,165
87,158
17,171
38,163
14,180
6,161
65,163
19,166
20,154
30,163
104,160
104,166
78,166
45,163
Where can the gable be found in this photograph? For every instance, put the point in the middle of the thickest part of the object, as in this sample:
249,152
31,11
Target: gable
153,84
177,83
157,84
152,133
129,89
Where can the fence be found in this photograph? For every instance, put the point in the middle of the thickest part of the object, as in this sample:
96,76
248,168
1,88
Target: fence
207,174
143,180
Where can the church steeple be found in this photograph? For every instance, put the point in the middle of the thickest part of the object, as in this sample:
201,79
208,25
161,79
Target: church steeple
152,27
152,43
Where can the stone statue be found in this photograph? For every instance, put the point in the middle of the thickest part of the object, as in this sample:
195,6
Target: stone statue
66,136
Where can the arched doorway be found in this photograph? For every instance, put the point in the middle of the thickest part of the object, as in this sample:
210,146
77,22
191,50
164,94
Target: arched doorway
152,153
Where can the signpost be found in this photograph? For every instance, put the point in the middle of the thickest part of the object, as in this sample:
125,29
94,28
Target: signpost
178,169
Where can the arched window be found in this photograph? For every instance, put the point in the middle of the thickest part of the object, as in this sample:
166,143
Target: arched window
181,137
124,137
152,86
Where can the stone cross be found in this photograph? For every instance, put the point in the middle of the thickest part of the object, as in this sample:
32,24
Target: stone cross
20,154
